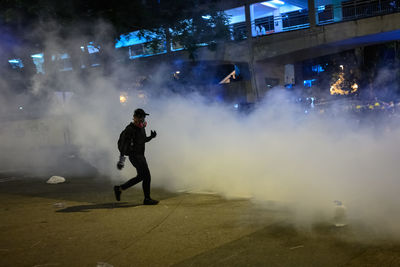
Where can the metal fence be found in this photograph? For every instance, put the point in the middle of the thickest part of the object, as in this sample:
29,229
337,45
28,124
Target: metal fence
325,14
355,9
272,24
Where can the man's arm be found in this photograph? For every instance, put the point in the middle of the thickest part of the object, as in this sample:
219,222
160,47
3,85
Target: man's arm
127,138
153,134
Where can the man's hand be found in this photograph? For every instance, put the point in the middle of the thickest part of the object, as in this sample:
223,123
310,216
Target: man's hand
121,163
153,134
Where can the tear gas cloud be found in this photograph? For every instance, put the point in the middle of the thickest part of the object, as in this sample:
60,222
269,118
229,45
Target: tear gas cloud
275,153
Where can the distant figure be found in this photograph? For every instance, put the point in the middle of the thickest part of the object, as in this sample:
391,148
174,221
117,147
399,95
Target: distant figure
131,143
258,31
263,32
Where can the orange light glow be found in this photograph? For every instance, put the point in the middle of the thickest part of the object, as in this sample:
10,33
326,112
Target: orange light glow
354,88
336,88
122,99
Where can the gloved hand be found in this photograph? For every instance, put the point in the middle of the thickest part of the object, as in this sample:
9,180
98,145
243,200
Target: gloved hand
121,163
153,134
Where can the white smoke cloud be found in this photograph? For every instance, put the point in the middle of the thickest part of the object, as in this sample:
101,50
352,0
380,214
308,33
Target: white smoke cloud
276,153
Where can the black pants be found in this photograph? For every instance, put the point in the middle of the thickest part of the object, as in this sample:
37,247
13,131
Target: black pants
143,174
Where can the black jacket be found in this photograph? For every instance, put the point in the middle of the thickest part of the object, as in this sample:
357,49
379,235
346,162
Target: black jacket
136,139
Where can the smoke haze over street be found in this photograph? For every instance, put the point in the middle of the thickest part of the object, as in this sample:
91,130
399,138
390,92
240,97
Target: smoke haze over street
275,154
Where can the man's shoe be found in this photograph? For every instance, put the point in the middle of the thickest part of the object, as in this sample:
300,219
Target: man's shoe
117,193
149,201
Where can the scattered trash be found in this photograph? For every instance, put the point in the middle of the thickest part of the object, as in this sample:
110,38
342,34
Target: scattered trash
56,180
339,218
296,247
59,205
103,264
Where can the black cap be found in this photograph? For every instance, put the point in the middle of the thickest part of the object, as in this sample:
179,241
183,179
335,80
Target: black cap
140,113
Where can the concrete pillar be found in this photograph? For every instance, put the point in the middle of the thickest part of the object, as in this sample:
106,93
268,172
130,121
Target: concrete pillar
312,15
249,30
289,74
253,24
247,13
278,25
337,10
250,25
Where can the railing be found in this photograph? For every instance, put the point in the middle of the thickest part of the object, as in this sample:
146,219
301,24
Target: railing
238,31
295,20
299,19
344,11
285,22
350,10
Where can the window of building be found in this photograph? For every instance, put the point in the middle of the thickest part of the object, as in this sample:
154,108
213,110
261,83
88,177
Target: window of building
16,63
277,16
38,60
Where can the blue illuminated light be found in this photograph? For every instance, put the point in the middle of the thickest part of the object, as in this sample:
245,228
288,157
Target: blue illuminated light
129,40
309,83
134,38
278,2
236,106
37,55
321,8
206,17
38,60
236,15
317,68
268,4
16,63
92,49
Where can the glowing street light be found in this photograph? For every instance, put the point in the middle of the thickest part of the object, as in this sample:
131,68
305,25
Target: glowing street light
37,55
122,99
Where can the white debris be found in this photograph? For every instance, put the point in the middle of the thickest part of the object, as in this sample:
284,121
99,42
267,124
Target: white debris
56,180
339,214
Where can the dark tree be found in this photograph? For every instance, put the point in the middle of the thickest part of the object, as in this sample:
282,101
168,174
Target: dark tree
31,21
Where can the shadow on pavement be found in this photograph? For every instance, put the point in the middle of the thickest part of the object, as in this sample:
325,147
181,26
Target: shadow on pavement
87,208
90,189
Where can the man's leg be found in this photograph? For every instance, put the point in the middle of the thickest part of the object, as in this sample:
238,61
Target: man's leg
146,181
131,182
145,173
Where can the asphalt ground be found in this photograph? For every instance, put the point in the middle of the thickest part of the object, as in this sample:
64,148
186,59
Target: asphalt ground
79,223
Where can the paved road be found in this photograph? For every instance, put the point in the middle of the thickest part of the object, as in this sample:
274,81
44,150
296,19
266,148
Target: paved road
79,224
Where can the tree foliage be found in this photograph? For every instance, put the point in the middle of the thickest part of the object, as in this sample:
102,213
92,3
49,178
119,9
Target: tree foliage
31,20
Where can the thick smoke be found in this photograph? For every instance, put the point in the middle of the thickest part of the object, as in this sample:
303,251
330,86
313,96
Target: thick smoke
275,154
